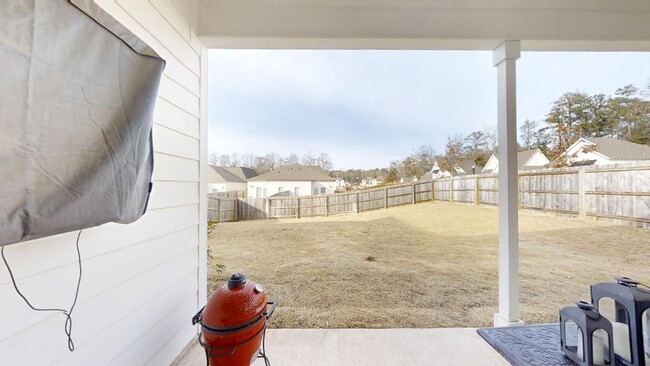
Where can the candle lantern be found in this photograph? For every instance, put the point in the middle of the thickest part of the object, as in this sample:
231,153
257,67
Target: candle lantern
586,336
627,306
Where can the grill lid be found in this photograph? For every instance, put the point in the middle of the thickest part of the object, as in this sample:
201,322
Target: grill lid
234,305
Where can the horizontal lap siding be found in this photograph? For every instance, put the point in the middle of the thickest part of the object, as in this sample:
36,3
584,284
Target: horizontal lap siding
140,281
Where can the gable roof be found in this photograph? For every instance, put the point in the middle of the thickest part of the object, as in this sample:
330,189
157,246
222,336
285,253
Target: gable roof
242,172
294,172
616,149
427,176
222,175
467,165
523,157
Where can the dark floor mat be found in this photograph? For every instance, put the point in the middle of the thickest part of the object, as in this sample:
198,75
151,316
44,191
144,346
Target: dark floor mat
528,345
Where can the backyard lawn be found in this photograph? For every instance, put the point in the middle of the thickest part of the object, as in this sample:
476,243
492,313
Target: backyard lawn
428,265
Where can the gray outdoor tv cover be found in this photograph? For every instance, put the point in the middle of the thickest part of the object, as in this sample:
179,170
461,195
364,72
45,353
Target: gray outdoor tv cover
77,92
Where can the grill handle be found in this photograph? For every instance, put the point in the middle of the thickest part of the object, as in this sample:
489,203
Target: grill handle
198,317
270,312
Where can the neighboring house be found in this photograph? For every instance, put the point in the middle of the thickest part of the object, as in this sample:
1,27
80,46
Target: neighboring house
369,182
408,179
435,173
526,160
603,151
466,167
299,180
228,179
341,183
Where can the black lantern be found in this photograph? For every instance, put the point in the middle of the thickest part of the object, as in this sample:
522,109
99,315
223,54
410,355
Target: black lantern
627,306
586,336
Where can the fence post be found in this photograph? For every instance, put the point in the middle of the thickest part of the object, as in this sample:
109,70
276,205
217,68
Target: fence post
357,202
413,188
236,213
267,209
298,207
477,200
327,205
581,193
451,189
218,209
433,192
385,197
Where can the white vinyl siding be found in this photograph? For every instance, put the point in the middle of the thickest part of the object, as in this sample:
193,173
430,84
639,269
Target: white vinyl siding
141,282
272,187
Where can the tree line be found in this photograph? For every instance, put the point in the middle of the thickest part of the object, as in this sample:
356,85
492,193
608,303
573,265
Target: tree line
624,115
271,161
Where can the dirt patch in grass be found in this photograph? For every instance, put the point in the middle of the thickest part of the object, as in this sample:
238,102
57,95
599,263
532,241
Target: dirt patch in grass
428,265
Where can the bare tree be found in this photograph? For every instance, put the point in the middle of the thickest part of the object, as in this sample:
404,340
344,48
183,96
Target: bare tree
293,159
324,161
491,138
235,159
528,131
308,158
224,160
212,159
454,152
247,160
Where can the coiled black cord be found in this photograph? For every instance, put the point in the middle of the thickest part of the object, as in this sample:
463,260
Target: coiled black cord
66,313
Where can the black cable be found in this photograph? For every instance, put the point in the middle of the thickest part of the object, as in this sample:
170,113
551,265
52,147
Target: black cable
67,313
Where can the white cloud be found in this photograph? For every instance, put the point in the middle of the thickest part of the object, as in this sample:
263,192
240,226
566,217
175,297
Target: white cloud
416,89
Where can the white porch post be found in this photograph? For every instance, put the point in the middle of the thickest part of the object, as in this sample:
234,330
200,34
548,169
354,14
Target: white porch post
505,57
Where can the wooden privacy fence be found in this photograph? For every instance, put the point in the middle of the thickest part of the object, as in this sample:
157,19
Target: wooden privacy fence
223,209
611,192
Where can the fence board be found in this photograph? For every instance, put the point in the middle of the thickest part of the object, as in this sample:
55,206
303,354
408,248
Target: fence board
221,209
252,209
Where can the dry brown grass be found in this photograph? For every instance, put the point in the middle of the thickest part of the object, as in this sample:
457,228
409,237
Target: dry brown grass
429,265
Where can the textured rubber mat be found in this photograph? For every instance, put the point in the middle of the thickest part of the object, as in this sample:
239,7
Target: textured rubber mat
528,345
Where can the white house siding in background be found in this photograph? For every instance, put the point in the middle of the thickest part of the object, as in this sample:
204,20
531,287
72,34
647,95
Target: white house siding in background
323,187
263,189
226,187
538,160
141,282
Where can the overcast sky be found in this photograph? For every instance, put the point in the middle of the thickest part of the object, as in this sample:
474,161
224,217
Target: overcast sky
366,108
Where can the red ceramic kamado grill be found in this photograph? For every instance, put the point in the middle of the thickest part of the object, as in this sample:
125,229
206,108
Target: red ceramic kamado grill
233,323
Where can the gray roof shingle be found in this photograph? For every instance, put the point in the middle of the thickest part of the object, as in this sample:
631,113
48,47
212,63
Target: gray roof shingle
294,172
242,172
222,175
616,149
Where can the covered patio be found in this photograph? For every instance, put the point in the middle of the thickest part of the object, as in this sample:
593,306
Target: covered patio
353,347
147,279
506,28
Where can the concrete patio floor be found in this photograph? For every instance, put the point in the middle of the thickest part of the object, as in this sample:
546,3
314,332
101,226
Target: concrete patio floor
366,347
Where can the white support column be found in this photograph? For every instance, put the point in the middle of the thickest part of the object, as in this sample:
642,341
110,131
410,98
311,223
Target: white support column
505,57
